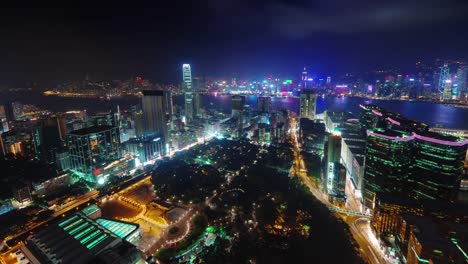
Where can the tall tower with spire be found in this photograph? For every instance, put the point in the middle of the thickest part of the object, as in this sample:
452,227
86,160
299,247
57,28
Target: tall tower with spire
187,82
304,78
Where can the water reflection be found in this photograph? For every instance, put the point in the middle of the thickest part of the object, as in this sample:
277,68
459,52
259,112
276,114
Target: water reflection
431,114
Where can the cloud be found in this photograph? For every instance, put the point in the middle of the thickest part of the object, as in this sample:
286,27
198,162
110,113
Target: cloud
298,22
300,19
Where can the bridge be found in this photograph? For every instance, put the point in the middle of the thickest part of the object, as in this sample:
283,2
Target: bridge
349,212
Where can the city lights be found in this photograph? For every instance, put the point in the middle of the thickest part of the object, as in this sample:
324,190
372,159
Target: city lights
240,132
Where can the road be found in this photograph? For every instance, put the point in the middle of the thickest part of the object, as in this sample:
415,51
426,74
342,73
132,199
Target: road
15,240
359,226
77,202
12,240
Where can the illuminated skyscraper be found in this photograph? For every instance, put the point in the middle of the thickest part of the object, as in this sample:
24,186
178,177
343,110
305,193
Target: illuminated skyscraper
438,165
154,114
197,104
237,108
92,147
137,115
187,77
264,104
447,92
387,168
304,78
444,75
188,106
421,165
462,89
238,102
187,83
308,104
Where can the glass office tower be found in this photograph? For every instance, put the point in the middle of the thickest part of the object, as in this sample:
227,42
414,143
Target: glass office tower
388,164
438,165
92,148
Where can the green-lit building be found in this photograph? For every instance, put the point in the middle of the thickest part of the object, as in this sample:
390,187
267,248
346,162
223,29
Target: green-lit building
438,165
387,165
423,166
80,239
370,116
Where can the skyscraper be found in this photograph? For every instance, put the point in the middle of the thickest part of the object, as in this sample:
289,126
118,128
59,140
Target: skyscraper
333,152
187,77
447,92
48,137
197,104
264,104
154,114
238,102
420,165
187,83
137,115
308,104
92,148
461,81
438,166
387,168
3,115
188,106
168,106
443,76
304,78
333,148
3,121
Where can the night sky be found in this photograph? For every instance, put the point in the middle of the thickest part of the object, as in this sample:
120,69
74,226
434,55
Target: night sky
227,37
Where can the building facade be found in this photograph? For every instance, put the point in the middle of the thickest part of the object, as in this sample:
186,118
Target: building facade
387,164
145,149
92,148
438,166
197,104
308,104
187,86
154,114
187,76
264,104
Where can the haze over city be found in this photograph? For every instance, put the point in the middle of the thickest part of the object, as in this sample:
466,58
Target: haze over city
224,38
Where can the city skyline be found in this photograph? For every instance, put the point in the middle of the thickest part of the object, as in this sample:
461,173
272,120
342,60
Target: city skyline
237,131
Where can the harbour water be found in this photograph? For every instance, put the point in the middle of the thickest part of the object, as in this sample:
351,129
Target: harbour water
429,113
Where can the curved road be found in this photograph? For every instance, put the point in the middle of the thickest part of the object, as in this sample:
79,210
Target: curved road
359,226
